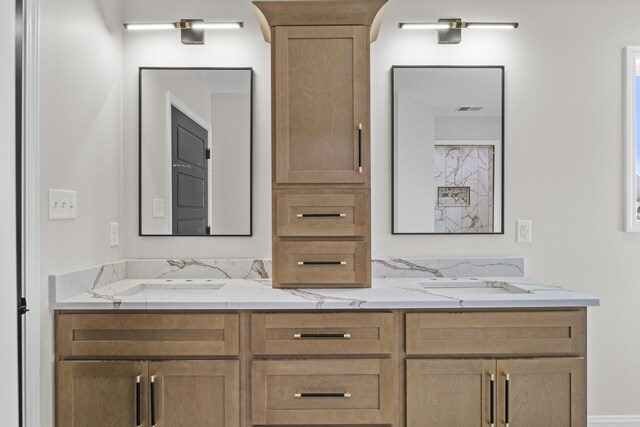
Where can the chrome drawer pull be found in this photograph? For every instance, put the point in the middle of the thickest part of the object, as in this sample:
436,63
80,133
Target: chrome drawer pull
322,215
322,262
301,336
334,395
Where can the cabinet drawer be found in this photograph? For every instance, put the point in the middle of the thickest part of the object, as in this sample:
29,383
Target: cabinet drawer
503,333
330,264
322,333
323,392
147,335
321,214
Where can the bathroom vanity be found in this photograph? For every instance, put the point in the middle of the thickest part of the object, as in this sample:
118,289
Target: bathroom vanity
411,351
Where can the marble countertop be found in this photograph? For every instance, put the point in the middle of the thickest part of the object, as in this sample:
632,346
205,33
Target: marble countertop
385,293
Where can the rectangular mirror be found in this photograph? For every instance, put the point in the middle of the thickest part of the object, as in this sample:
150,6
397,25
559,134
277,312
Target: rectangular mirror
447,149
195,151
632,119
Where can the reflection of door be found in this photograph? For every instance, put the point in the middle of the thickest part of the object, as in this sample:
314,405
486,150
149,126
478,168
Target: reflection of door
189,177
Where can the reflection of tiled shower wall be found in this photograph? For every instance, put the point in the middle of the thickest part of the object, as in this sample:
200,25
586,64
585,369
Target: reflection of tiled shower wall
464,166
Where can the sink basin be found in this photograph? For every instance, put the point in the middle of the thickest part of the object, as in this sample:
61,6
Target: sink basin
169,286
461,287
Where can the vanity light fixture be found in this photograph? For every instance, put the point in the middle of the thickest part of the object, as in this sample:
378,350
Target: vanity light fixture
191,30
450,30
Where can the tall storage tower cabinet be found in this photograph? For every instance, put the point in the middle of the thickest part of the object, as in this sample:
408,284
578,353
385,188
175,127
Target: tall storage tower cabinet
321,167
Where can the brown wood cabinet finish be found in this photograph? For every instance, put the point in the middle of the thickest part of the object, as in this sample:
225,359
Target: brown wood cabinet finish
322,263
320,392
318,213
321,131
101,394
315,334
506,333
147,335
321,95
388,384
196,393
449,392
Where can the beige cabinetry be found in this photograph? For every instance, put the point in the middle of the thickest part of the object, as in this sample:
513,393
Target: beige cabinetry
99,385
512,374
396,368
321,164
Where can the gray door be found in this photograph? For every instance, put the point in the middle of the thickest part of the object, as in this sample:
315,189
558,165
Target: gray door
190,210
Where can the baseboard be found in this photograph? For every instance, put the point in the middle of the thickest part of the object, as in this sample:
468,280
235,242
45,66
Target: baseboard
614,420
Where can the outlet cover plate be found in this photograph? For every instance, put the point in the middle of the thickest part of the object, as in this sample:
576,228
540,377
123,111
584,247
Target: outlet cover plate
114,235
524,231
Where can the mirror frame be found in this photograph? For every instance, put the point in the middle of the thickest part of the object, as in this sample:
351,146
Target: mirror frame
251,106
631,56
393,144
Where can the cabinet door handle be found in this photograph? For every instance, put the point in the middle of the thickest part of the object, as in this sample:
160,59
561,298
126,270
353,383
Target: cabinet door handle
492,403
138,423
153,401
360,148
322,215
322,262
506,399
322,395
302,336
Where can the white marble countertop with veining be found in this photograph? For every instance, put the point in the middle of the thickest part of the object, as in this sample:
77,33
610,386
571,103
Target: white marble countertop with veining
385,293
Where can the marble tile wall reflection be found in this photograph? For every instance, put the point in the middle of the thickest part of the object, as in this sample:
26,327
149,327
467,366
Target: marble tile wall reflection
469,166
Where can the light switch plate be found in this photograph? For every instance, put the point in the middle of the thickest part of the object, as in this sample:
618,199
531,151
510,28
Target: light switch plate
63,204
158,208
114,235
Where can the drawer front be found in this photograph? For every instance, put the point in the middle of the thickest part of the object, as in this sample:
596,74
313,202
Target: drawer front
330,264
321,214
323,392
147,335
508,333
322,333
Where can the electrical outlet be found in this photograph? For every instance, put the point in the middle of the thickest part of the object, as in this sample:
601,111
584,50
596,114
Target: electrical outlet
63,204
158,208
114,234
524,231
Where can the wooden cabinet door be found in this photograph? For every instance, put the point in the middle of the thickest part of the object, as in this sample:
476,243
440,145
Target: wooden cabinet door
195,393
450,393
542,392
102,394
321,100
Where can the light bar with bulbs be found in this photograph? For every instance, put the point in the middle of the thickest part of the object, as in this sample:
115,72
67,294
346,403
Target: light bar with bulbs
450,30
192,30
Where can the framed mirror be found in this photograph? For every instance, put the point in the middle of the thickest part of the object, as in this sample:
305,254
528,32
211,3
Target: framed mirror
632,141
195,156
448,145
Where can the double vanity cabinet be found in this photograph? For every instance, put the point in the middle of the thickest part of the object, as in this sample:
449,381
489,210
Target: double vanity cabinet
413,368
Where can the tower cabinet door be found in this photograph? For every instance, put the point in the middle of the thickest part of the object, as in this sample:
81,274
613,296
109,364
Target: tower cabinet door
105,394
195,393
450,393
542,392
321,96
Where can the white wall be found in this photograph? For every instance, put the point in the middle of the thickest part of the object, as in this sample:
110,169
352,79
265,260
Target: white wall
230,161
414,165
81,144
8,300
563,145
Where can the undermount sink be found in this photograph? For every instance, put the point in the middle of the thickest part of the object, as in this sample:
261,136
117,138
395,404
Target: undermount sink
461,287
173,285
